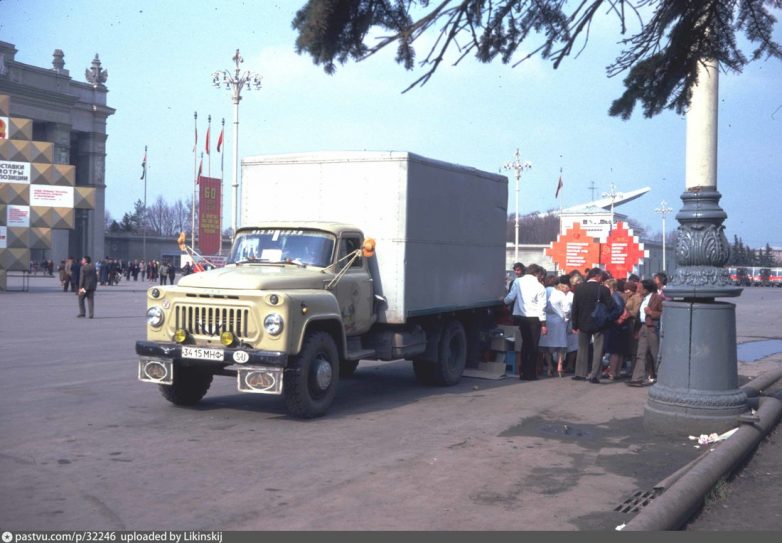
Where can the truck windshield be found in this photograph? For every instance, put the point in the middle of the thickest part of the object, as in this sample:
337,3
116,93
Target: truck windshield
306,247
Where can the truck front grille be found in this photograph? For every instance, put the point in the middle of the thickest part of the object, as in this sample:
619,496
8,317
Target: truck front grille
213,320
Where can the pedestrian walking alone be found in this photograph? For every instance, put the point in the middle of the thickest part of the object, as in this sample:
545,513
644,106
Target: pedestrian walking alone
88,282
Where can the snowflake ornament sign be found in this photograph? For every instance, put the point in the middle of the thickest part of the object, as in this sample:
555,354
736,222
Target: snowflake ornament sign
621,251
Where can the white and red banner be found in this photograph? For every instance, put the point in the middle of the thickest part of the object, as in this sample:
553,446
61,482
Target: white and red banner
14,172
51,196
18,216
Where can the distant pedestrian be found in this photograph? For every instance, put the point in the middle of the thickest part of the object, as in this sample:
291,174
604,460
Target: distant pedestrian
75,268
88,282
171,274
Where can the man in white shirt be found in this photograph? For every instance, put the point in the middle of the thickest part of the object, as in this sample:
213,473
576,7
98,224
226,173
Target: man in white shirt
529,311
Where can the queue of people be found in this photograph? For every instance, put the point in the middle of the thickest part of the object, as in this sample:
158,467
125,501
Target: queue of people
591,325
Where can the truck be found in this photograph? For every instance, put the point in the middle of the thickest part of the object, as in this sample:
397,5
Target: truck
341,257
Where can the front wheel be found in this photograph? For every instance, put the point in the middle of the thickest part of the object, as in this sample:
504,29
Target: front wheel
311,380
189,386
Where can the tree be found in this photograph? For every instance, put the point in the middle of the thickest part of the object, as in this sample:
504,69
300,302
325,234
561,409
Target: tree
661,58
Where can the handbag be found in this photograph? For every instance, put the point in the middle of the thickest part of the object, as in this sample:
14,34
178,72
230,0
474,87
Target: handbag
599,314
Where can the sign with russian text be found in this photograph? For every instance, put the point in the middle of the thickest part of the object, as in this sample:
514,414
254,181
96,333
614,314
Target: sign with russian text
622,251
14,172
18,216
51,196
209,206
576,249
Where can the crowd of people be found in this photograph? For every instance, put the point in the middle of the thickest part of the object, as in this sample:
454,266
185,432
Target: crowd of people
589,324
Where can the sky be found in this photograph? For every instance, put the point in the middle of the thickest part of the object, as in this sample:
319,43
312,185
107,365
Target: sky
160,57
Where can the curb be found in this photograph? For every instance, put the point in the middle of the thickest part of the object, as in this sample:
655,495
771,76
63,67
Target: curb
685,495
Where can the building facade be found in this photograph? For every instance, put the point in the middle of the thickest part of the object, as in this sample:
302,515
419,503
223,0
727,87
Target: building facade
72,115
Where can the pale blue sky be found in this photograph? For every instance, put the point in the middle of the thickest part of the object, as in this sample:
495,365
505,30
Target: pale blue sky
160,56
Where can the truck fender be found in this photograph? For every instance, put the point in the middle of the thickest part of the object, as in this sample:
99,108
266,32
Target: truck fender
313,310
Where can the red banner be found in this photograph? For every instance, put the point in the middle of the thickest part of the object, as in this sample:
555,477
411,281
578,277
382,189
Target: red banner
209,205
575,250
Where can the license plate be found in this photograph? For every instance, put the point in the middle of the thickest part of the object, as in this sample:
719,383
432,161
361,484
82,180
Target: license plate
200,353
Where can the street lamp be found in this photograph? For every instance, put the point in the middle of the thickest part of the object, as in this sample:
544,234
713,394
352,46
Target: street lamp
663,211
518,166
614,196
235,83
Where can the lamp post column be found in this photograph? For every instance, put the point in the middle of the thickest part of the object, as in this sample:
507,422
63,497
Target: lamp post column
517,166
697,379
235,83
663,211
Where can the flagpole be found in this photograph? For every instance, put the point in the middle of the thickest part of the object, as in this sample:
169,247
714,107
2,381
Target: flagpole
221,144
144,217
195,180
208,153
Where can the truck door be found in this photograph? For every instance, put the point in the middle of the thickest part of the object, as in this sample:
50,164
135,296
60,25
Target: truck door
354,292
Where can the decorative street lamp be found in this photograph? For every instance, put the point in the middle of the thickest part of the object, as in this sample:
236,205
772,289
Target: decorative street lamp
663,211
518,166
235,83
614,197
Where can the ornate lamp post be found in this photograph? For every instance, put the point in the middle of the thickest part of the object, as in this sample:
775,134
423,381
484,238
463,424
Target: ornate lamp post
663,211
614,197
235,83
518,166
697,387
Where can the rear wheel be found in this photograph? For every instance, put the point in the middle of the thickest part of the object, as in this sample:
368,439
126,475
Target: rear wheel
451,359
453,354
189,386
311,382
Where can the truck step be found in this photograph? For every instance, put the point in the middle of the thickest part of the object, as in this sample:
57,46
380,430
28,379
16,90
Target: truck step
360,354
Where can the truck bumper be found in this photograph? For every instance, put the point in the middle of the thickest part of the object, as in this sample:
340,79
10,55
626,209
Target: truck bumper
257,371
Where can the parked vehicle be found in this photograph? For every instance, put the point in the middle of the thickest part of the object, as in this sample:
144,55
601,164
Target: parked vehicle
342,257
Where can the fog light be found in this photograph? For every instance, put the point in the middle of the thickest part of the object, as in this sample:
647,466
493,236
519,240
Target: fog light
180,336
273,299
259,380
227,338
155,370
155,293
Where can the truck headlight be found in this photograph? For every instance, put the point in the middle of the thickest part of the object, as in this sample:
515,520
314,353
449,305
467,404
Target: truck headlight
155,317
273,324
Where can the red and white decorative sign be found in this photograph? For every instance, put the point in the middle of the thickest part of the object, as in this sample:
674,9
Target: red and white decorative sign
621,251
574,250
18,216
51,196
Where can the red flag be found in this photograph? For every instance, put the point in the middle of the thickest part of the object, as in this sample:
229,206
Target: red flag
559,187
220,140
208,130
200,169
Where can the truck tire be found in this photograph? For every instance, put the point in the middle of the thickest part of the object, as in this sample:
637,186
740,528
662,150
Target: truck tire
452,356
310,387
424,372
190,385
347,368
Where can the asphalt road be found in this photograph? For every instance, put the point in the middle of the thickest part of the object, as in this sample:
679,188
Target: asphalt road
86,446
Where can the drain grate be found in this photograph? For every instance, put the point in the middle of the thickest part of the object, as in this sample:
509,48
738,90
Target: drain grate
637,501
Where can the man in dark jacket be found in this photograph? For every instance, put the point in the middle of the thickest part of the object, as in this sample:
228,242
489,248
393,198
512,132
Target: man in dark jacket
88,282
585,298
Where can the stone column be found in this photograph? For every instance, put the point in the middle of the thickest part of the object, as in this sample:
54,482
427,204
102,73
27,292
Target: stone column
697,387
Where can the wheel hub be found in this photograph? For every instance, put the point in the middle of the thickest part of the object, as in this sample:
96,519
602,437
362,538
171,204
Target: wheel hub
323,373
